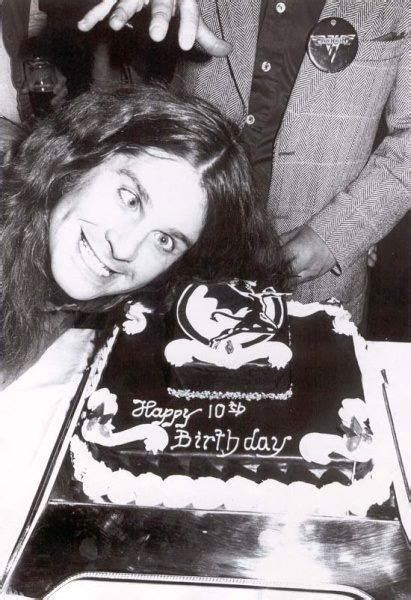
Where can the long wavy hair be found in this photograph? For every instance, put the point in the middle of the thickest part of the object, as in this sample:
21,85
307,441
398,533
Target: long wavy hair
236,241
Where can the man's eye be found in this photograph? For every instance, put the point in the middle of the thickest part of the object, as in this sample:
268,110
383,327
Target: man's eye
164,241
129,199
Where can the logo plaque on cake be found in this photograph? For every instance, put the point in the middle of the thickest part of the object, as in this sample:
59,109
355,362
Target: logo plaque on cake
235,331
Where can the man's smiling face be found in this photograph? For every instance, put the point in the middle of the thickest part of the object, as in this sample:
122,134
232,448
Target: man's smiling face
126,222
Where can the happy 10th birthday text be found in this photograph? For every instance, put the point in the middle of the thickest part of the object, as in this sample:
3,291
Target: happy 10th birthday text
221,441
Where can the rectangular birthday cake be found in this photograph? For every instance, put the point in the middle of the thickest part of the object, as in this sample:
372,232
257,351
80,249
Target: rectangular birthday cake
234,399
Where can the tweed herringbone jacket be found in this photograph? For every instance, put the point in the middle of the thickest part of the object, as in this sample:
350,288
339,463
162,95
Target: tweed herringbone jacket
324,171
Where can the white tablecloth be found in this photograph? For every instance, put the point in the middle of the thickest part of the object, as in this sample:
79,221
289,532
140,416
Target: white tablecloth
32,411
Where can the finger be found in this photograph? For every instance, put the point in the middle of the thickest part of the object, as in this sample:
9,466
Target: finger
189,20
124,11
295,264
212,44
59,97
290,260
288,253
161,13
371,261
61,83
302,276
95,15
289,235
284,238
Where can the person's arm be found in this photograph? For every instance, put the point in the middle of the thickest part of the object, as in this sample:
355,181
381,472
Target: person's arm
191,26
370,206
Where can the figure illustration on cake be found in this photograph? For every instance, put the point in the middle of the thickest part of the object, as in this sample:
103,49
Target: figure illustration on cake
228,327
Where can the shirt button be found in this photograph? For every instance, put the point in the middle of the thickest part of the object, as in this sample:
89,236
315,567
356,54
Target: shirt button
266,66
280,7
250,120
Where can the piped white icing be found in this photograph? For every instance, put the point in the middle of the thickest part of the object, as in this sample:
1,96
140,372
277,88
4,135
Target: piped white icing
356,444
229,355
272,496
100,362
342,322
136,320
98,430
120,487
208,493
154,436
217,395
104,398
302,498
335,499
241,494
177,491
147,490
318,448
238,493
353,407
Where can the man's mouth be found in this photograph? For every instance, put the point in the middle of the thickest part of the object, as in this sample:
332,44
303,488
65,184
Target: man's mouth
91,259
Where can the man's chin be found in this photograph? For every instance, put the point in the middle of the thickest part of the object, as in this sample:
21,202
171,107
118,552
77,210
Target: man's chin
77,292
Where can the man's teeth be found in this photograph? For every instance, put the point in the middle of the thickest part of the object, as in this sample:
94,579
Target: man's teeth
91,259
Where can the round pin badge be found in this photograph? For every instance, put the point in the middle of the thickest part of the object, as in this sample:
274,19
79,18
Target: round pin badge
332,44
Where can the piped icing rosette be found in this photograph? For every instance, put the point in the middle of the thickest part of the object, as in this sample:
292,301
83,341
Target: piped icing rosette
136,320
148,490
272,496
209,493
120,489
97,427
355,444
342,322
241,494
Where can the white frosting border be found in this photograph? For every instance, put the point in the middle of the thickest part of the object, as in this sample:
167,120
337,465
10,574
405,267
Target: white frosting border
235,494
216,395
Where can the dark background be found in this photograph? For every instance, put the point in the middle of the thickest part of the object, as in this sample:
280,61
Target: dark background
389,299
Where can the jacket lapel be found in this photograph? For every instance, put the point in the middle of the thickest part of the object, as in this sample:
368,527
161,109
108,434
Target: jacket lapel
310,78
239,22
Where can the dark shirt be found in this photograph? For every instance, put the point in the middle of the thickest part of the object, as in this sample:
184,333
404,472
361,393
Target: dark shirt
282,39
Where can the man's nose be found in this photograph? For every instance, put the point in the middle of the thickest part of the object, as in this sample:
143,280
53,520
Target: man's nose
125,241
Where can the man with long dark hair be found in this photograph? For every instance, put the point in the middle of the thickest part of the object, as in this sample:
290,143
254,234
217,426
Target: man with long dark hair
118,193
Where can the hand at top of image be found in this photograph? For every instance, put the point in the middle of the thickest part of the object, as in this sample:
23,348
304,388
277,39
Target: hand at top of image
191,26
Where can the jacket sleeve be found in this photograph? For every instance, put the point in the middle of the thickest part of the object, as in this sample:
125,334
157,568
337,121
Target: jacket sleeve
370,206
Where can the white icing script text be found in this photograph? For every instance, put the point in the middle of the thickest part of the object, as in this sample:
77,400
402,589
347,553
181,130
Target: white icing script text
148,409
224,443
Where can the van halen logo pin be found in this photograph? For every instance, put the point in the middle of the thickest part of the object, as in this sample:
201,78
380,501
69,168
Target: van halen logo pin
332,45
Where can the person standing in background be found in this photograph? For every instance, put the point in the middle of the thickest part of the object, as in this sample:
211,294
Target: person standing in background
23,25
8,101
310,127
